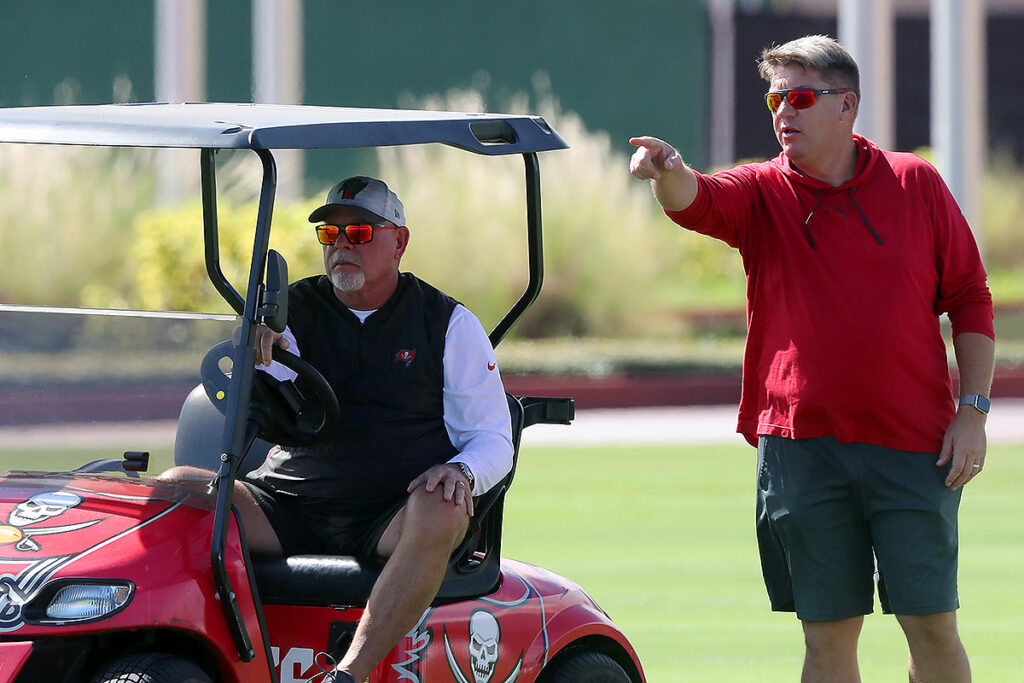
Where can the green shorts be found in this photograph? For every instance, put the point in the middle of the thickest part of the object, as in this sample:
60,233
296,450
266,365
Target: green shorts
834,518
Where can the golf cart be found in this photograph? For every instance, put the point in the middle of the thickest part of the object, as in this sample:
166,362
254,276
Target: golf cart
109,575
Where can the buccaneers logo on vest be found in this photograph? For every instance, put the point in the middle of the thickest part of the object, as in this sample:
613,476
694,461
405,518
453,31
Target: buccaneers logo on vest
405,356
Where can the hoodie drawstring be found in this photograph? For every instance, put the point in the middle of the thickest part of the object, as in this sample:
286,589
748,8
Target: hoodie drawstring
817,203
865,218
807,226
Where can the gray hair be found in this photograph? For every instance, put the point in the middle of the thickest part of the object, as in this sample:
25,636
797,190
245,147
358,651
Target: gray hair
819,53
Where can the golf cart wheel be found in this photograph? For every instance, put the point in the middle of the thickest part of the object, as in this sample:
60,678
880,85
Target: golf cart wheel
584,667
152,667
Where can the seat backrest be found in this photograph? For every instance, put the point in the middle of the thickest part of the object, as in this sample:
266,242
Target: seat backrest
200,433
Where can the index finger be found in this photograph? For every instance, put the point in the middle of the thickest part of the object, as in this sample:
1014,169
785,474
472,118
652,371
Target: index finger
650,142
645,141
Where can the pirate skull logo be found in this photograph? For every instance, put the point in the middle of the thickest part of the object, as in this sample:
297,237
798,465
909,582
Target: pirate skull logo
484,638
23,520
41,507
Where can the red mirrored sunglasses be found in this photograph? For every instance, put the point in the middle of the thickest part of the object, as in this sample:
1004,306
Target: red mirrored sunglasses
355,233
798,98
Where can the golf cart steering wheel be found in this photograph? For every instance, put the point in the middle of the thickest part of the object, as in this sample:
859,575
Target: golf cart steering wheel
289,413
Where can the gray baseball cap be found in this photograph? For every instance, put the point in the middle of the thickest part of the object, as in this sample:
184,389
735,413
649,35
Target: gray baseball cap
368,197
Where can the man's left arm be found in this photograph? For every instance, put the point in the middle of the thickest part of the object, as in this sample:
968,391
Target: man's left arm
964,443
475,407
964,295
476,414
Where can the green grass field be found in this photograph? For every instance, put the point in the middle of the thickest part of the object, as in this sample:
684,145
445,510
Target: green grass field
663,538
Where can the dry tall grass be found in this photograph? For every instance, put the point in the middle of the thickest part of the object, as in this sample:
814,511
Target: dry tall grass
78,227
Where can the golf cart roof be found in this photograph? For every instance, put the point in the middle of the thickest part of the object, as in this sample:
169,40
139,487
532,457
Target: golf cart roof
273,126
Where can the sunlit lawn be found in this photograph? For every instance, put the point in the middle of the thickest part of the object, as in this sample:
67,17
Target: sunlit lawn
663,538
40,460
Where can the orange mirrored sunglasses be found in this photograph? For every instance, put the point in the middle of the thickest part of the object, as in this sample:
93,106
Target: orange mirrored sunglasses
798,98
355,233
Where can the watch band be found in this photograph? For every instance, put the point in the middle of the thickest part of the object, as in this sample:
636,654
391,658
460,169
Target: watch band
977,401
466,472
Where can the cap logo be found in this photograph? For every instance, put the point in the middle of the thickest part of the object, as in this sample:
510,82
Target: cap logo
352,187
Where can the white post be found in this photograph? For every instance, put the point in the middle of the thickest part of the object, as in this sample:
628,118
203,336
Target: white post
723,84
179,76
277,76
180,64
958,126
866,31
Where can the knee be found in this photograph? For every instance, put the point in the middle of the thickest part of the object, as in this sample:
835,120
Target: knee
436,517
832,636
930,630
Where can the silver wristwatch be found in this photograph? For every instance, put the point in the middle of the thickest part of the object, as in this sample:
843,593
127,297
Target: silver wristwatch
466,472
976,401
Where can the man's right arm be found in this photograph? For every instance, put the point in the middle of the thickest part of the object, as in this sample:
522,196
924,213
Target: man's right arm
674,183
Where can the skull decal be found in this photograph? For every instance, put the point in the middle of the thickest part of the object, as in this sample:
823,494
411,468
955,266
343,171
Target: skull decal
484,645
41,507
23,520
484,638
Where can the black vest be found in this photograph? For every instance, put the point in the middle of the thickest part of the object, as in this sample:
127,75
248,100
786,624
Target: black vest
388,374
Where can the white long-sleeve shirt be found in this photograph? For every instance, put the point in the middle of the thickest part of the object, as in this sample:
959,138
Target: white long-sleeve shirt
476,413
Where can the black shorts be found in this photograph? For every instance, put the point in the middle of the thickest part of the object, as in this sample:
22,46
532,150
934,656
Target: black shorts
314,527
833,518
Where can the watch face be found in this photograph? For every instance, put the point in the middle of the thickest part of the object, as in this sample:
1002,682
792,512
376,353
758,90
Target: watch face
979,402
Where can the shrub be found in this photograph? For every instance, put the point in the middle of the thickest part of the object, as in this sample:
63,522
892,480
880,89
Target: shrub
169,271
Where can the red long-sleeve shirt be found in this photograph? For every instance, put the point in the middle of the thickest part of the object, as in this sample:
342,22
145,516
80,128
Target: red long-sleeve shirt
845,286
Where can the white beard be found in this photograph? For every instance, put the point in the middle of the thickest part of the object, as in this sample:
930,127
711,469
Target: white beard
348,282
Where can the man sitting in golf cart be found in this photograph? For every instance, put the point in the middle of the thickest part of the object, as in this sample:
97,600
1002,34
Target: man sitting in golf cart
424,420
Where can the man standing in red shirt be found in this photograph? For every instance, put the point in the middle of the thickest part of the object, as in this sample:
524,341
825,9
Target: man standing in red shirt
851,254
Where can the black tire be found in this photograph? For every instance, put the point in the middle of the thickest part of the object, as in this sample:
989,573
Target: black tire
152,667
584,667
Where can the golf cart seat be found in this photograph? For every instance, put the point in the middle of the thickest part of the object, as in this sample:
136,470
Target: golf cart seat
322,580
198,439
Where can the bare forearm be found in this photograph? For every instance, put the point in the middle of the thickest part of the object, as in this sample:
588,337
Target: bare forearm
975,361
676,189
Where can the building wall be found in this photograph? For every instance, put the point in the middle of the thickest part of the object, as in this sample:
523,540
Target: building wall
754,138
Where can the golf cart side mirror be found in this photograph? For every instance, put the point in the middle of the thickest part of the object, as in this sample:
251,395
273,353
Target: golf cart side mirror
275,299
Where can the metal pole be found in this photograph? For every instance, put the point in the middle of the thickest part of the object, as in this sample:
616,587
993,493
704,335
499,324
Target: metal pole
958,125
179,76
277,76
723,83
535,249
180,64
866,30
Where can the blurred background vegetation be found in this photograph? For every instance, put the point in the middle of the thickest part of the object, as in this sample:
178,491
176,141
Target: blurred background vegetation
623,285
